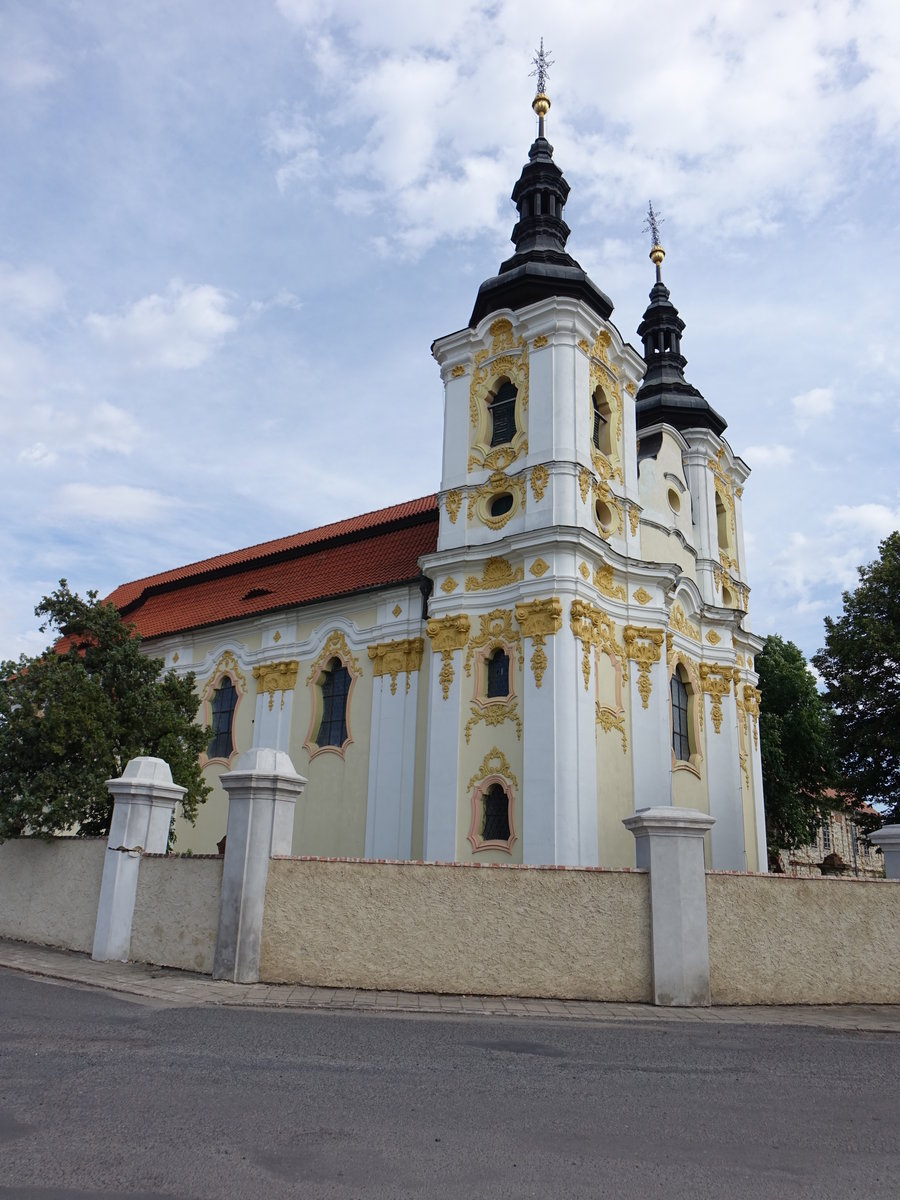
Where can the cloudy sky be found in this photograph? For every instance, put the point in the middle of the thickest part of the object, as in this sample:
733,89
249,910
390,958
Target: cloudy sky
231,229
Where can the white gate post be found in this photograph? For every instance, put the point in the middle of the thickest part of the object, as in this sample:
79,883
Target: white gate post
145,799
262,791
670,846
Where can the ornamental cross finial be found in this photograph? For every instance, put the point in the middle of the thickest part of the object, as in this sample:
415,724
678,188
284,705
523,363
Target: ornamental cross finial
652,223
542,64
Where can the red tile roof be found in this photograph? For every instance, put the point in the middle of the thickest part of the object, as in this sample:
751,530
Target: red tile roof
374,550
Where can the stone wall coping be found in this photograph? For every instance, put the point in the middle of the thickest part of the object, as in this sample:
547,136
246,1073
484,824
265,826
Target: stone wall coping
181,857
802,878
669,821
420,862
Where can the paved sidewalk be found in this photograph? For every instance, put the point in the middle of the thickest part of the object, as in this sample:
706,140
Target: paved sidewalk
183,988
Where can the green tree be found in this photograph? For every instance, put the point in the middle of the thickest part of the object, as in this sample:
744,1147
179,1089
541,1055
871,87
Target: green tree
796,747
72,717
861,668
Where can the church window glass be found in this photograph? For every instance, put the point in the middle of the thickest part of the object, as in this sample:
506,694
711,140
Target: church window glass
496,814
503,415
335,687
223,705
498,674
681,743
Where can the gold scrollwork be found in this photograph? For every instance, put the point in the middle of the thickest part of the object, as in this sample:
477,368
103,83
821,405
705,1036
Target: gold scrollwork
538,568
631,388
512,364
458,371
612,718
497,484
603,494
335,647
493,715
752,697
634,518
539,619
496,630
584,570
454,503
494,762
446,635
716,680
540,341
497,573
605,583
584,345
713,638
501,332
449,585
678,620
540,477
642,596
584,483
392,658
593,627
643,646
276,677
228,665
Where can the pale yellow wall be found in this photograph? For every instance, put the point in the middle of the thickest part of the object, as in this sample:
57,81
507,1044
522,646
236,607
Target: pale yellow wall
519,931
777,940
330,816
176,913
657,546
49,890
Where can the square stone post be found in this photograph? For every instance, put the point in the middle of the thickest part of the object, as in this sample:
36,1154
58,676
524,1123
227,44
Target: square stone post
888,838
144,804
670,846
262,791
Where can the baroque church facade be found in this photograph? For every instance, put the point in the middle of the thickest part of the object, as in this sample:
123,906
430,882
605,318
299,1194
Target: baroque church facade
503,671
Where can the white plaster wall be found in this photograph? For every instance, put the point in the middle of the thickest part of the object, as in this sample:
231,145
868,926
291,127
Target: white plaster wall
176,913
780,940
49,890
460,929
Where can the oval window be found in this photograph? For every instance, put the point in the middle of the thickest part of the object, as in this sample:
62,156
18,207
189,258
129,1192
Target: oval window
500,505
674,500
604,515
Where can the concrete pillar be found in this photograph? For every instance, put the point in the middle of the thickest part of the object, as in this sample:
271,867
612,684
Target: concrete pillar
670,847
144,804
262,790
888,838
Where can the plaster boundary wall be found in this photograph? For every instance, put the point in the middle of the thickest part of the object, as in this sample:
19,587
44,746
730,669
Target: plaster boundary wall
458,928
50,889
782,939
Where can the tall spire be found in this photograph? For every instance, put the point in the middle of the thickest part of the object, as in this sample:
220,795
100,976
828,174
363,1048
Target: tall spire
665,395
540,266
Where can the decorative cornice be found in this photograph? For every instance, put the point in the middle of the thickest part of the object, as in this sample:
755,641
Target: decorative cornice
716,680
447,634
276,677
497,573
539,619
593,627
392,658
643,646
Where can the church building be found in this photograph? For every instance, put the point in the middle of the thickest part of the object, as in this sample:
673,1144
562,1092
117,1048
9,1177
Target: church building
503,671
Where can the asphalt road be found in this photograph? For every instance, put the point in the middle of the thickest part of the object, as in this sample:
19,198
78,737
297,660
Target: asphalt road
105,1097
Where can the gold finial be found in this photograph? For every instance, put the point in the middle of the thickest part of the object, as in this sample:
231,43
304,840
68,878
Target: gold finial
651,226
541,102
657,254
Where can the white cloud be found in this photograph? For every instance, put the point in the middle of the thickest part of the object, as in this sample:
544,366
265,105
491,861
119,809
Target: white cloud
31,291
115,504
292,138
179,330
111,428
811,405
38,455
870,520
775,455
21,74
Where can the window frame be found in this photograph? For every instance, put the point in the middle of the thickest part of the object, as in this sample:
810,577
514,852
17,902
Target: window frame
694,693
334,648
475,835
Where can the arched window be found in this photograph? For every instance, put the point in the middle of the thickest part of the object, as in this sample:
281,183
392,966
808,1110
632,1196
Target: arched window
503,415
495,803
222,713
335,685
681,741
498,674
600,429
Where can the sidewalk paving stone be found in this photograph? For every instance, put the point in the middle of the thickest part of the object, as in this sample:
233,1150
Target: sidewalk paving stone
179,988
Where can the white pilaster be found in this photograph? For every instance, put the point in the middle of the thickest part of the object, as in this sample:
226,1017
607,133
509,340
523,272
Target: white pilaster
272,720
392,762
651,733
726,801
442,760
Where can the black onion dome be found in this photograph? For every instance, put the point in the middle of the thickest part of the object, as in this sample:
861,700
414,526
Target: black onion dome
665,395
540,266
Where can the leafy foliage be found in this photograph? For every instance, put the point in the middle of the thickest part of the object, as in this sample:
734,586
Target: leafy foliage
861,668
72,717
796,747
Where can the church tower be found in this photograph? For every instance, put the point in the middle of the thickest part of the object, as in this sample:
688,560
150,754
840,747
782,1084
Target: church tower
574,577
